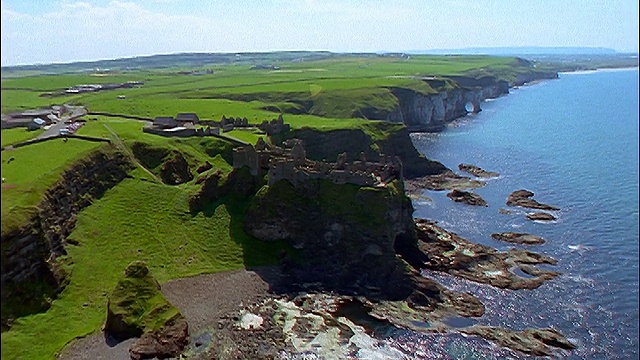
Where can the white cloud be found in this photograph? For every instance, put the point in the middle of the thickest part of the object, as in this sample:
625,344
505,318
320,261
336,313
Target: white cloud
73,30
83,31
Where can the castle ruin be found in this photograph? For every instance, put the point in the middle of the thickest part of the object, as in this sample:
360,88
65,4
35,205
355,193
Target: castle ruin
290,163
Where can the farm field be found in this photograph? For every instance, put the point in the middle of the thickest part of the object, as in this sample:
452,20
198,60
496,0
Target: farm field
330,88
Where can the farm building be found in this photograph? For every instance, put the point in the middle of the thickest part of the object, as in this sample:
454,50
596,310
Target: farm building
187,117
164,122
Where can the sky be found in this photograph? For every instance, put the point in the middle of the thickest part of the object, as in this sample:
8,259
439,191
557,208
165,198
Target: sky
54,31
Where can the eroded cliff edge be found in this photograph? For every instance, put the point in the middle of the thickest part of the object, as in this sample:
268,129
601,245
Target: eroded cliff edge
31,271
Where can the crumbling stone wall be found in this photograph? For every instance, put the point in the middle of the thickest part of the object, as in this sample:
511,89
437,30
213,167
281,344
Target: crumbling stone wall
290,163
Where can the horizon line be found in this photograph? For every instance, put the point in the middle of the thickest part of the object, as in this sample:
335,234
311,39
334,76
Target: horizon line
440,51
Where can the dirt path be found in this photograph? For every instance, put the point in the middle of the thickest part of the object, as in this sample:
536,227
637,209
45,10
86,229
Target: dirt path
120,143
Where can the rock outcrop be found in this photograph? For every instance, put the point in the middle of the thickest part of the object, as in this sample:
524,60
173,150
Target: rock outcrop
340,246
137,308
541,216
477,171
175,170
466,197
523,198
518,238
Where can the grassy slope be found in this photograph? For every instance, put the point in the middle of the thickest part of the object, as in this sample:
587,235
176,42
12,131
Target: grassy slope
159,230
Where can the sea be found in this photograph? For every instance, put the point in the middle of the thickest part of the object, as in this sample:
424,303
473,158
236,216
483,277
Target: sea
573,142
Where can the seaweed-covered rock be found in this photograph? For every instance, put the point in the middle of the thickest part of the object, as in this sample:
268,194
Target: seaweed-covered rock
541,216
137,308
450,253
537,342
477,171
446,180
466,197
523,198
518,238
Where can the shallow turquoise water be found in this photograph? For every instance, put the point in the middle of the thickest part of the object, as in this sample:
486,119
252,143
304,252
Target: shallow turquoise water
574,143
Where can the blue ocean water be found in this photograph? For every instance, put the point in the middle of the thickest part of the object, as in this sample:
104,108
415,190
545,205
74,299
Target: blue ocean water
573,142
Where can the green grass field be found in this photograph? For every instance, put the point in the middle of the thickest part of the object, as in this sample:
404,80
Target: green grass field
144,219
330,88
17,135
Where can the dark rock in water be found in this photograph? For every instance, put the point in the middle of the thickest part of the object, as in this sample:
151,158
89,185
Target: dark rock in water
447,180
450,253
505,211
137,308
466,197
476,171
541,216
518,238
523,198
537,342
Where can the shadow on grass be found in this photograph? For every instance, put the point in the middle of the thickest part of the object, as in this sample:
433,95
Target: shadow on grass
25,299
262,257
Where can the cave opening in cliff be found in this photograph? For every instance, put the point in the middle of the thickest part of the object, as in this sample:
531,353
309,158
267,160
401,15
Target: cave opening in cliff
470,108
407,248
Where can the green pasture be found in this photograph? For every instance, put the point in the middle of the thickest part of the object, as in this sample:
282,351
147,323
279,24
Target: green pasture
335,88
17,135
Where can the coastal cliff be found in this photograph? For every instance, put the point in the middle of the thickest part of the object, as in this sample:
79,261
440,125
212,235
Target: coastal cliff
430,113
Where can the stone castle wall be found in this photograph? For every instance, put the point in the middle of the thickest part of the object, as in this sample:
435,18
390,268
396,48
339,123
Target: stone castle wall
290,163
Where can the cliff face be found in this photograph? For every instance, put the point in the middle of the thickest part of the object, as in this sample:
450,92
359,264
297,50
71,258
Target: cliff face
431,113
327,145
29,254
347,235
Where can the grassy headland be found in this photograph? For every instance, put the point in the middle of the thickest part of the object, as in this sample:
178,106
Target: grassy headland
143,218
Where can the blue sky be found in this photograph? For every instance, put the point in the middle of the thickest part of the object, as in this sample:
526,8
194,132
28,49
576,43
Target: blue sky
46,31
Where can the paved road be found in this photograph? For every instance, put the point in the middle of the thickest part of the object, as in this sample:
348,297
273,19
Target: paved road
54,130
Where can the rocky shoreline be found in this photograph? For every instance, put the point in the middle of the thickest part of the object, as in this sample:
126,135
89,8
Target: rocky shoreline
292,323
329,306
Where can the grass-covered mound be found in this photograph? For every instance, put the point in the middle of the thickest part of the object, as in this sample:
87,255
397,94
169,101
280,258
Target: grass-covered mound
136,304
137,308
